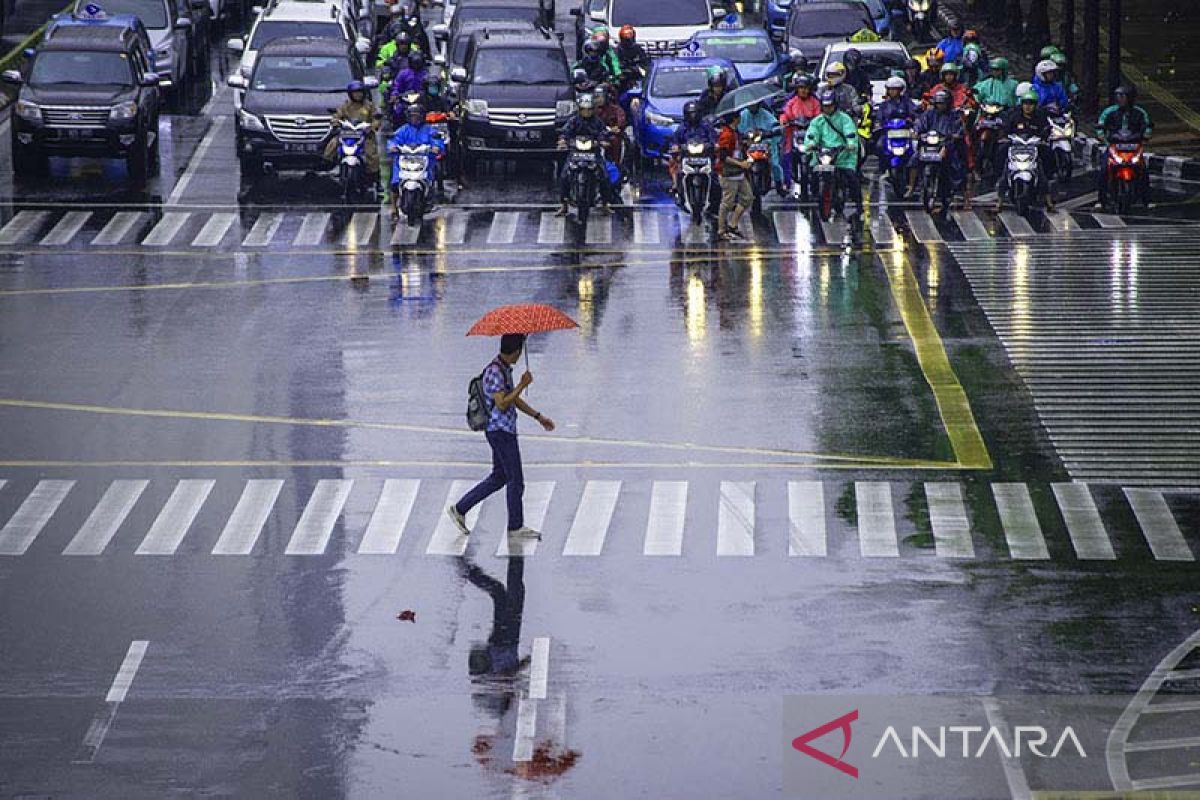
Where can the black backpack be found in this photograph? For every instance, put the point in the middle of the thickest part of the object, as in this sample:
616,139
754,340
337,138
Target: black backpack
477,409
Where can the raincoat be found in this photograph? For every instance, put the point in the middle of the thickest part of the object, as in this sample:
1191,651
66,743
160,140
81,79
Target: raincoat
835,130
952,49
407,80
1051,93
1001,91
409,136
766,122
358,112
796,108
1114,118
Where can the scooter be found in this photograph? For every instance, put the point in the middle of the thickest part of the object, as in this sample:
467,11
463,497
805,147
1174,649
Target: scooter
1062,136
830,192
584,162
440,122
918,19
1024,172
801,169
355,181
987,132
758,150
898,144
1124,169
696,178
935,183
412,168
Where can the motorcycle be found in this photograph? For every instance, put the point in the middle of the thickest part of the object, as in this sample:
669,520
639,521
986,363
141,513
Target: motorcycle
1062,136
898,144
584,162
935,183
801,169
695,178
1024,172
440,122
353,177
412,168
918,19
1124,167
830,191
758,150
987,132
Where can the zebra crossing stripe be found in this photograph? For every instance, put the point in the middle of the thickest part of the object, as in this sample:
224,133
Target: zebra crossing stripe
1061,221
312,532
452,229
806,519
972,227
117,228
1084,525
882,232
668,511
537,503
405,234
691,233
834,231
922,226
264,230
361,230
526,730
1016,225
599,229
245,524
66,229
876,520
176,517
948,519
645,227
106,518
390,517
785,226
22,225
504,227
590,526
1022,530
214,230
31,516
312,229
1109,221
551,228
447,540
166,229
735,519
1158,525
539,668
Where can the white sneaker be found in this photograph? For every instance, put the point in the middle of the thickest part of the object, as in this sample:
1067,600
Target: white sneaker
459,519
527,532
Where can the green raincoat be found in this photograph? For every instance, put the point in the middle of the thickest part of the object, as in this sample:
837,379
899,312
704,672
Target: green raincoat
834,130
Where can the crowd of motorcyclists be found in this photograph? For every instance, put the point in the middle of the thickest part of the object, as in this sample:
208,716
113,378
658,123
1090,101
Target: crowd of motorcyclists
939,129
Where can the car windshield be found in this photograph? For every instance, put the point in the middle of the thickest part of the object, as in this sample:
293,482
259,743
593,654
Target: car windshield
691,13
877,65
458,53
810,23
520,65
268,32
514,13
108,69
316,74
679,82
739,48
153,13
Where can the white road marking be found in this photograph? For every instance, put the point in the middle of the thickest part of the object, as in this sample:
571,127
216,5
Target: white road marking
834,231
1109,220
526,730
1014,773
1061,221
264,230
1078,202
320,515
537,503
785,226
691,233
1017,225
948,519
590,526
735,519
127,672
214,230
117,692
403,233
166,229
117,228
454,229
876,519
882,231
972,227
922,226
1022,530
361,230
245,524
22,225
391,515
806,519
504,227
447,540
1084,525
1158,525
645,227
552,229
312,229
215,131
106,518
539,668
599,229
668,511
31,516
176,517
66,228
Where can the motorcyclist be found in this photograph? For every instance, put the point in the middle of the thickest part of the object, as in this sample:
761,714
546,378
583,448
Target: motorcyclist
846,96
856,76
1123,115
896,104
392,57
973,64
608,55
409,18
834,128
613,116
710,98
631,56
952,45
594,64
414,132
1028,118
932,74
757,117
584,123
971,37
694,126
947,121
998,89
801,106
796,66
410,79
912,79
1064,75
961,100
357,108
1048,88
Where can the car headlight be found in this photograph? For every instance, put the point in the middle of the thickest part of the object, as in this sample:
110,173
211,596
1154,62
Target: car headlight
29,111
659,120
564,108
477,108
126,110
163,54
250,122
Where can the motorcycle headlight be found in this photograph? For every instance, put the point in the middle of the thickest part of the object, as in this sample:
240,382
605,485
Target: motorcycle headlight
583,145
564,108
659,120
250,122
933,138
826,158
29,111
122,111
918,5
991,109
477,108
695,149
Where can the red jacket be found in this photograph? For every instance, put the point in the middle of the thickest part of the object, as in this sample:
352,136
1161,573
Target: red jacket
960,95
808,108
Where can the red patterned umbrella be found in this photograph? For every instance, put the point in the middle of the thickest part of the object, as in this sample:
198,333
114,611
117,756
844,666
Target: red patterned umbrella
524,318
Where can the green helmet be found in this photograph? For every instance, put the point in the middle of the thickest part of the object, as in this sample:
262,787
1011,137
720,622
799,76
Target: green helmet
998,63
949,66
1048,52
1030,96
1060,59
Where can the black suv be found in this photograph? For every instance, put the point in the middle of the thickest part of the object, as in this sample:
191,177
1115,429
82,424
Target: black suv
515,92
285,116
88,91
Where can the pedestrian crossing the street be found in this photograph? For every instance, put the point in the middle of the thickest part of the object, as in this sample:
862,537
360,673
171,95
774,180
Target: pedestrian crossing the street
264,231
802,519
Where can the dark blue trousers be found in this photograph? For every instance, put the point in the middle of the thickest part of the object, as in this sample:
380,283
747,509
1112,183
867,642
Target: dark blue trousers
506,473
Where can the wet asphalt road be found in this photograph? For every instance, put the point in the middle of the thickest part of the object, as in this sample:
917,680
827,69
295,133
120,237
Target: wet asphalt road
935,461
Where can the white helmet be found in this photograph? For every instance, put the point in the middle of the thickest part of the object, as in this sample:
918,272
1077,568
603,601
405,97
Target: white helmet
835,72
1045,66
895,82
1023,87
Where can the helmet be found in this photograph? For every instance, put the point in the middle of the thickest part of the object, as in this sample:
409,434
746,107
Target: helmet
935,56
716,75
691,111
1044,67
827,98
414,110
949,66
895,82
1023,87
355,86
797,59
941,96
599,95
1047,52
972,53
1029,96
628,33
853,57
955,25
1127,89
591,48
803,80
416,61
912,63
600,35
1060,59
835,72
971,35
579,76
586,103
998,63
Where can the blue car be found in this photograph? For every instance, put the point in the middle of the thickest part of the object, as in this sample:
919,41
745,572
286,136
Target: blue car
775,19
670,84
754,55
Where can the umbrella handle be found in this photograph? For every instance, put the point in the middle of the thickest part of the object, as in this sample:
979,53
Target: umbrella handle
526,349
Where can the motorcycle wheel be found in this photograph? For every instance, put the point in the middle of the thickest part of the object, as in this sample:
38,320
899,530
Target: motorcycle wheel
1124,197
1065,167
1020,193
695,201
896,180
826,210
351,185
412,206
929,190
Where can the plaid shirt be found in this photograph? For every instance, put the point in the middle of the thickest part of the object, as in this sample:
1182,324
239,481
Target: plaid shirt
497,377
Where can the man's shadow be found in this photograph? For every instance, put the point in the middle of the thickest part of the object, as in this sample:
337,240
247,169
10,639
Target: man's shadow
499,657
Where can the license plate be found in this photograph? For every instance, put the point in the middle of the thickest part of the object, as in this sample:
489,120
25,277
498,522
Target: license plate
824,167
931,156
301,147
78,133
524,136
697,162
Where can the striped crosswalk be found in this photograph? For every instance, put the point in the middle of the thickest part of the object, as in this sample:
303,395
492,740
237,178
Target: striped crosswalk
662,519
641,226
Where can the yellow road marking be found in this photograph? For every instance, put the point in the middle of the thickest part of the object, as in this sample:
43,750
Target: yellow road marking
955,409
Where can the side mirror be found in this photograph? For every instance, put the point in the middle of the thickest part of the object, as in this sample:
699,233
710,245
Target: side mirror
371,82
12,77
29,52
236,45
598,16
183,23
458,74
439,59
441,30
149,79
256,10
363,46
237,82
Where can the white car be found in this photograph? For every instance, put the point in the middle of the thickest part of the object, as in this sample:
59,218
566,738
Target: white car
879,59
317,18
662,27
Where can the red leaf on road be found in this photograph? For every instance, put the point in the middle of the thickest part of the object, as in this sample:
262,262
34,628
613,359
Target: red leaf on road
407,615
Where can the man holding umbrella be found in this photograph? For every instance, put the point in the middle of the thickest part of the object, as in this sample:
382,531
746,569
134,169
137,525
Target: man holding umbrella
503,400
